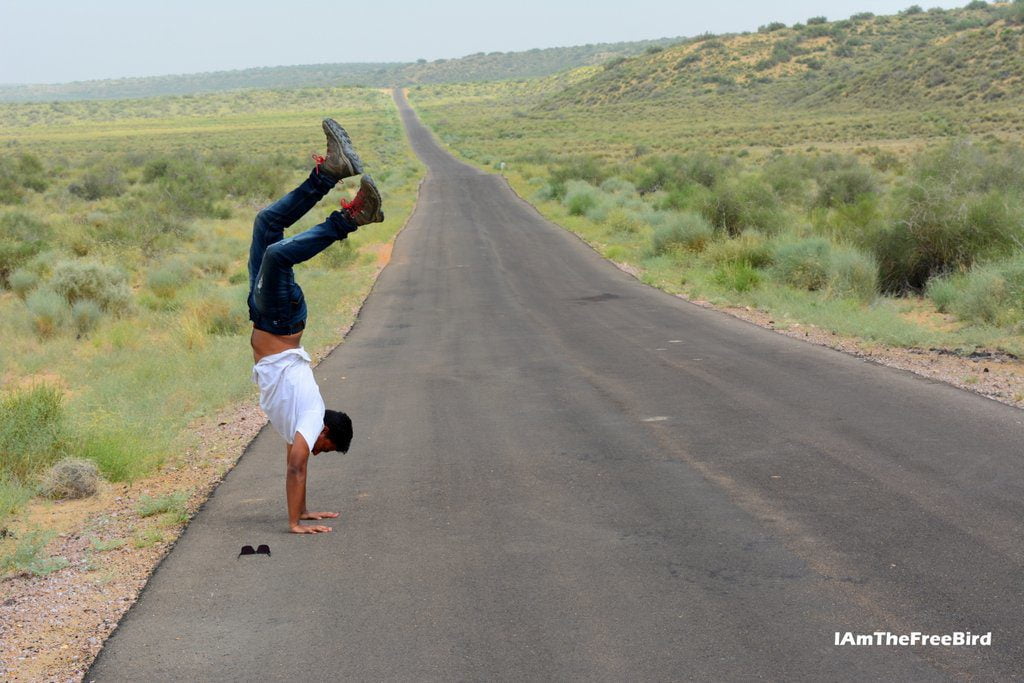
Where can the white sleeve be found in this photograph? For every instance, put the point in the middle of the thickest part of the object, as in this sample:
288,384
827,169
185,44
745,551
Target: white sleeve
310,424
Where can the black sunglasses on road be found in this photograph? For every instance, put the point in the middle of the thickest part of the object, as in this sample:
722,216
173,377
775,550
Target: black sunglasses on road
261,550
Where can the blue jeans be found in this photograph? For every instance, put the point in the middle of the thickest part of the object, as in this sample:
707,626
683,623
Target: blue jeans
276,303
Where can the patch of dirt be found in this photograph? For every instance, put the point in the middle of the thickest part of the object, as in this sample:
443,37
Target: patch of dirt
52,627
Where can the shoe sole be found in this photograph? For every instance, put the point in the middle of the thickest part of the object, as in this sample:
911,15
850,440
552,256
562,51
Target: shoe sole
334,130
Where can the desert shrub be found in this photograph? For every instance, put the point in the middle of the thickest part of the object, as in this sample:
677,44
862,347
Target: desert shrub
167,279
802,263
106,285
962,205
688,197
26,557
214,264
259,179
976,4
674,172
32,431
624,220
49,312
618,186
23,281
738,276
172,503
685,231
146,224
817,20
845,185
219,313
789,177
22,236
589,169
943,290
853,274
913,9
1014,13
105,180
70,478
338,255
749,247
580,196
991,294
86,315
183,185
18,174
747,202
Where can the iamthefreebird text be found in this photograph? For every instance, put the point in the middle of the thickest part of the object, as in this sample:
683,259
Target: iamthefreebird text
876,638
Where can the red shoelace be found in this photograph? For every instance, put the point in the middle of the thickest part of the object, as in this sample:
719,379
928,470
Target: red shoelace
319,160
354,206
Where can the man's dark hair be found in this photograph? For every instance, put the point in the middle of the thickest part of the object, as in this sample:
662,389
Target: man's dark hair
339,429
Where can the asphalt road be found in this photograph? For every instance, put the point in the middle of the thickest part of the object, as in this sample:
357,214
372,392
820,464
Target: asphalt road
560,473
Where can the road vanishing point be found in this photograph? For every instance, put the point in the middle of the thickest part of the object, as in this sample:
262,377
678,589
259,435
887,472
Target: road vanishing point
560,473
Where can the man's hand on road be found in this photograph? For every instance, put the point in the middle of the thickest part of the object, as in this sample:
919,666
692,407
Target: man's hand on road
318,515
313,529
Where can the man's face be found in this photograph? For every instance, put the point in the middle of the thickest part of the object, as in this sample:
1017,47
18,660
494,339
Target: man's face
323,444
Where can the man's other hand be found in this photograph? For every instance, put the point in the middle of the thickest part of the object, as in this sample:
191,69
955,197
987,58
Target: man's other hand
312,529
318,515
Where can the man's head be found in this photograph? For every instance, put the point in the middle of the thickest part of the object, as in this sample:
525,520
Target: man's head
337,433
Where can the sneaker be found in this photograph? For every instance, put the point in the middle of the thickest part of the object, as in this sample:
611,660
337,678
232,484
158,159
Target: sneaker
341,160
365,206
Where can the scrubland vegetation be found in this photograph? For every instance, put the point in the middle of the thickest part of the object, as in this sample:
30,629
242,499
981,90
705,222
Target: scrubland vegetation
124,233
865,175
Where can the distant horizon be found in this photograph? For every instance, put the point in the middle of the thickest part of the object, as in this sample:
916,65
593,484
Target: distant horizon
116,40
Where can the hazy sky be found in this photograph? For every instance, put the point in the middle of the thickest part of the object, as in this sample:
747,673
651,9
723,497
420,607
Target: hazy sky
53,41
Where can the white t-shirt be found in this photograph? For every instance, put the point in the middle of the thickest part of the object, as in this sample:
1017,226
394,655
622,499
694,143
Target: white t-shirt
289,395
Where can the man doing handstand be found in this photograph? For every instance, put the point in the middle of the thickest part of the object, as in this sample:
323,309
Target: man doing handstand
288,393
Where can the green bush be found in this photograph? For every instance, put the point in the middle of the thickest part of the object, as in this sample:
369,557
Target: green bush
214,264
750,247
991,294
580,197
183,185
79,280
852,274
747,202
166,280
962,205
624,220
23,281
258,179
32,431
618,186
25,559
49,312
173,502
22,236
685,231
102,181
802,263
18,174
845,185
338,255
86,315
738,276
943,290
147,224
789,176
